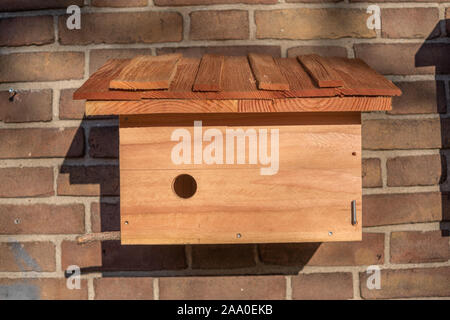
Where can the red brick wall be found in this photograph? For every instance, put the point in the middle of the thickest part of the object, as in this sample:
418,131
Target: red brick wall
59,173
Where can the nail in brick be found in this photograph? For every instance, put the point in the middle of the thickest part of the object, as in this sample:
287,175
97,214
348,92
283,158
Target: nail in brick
42,219
26,106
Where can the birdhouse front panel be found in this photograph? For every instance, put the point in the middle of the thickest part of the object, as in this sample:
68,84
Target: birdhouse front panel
238,149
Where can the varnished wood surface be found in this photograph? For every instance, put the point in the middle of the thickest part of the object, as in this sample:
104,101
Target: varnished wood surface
209,73
267,73
309,199
167,106
238,82
146,73
321,71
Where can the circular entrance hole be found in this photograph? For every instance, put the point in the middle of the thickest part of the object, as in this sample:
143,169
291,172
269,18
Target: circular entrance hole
184,186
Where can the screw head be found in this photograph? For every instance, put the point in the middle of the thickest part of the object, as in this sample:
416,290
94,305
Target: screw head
238,235
126,222
330,233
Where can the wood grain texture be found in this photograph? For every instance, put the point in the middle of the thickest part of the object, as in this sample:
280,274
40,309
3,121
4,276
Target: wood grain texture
321,70
138,143
310,195
334,104
360,79
238,82
209,73
147,73
267,73
160,106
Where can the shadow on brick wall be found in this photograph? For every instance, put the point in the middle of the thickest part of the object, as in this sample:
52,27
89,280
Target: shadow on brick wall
437,55
83,177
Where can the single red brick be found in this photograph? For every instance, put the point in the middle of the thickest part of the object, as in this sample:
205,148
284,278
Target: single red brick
325,51
99,57
117,257
371,173
87,255
41,219
208,2
124,27
22,5
416,170
312,1
197,52
223,256
41,66
420,97
398,0
69,108
88,180
27,256
366,252
222,25
419,246
123,288
104,142
26,106
306,23
447,17
406,58
119,3
403,134
41,289
41,143
105,217
409,283
388,209
26,182
223,288
322,286
26,31
410,23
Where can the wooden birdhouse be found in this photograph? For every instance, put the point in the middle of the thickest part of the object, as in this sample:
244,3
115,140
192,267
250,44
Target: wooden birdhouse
238,149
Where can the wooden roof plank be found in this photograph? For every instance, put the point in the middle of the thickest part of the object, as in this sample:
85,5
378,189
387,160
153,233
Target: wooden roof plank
184,78
300,83
238,82
209,73
169,106
360,79
267,73
147,73
321,71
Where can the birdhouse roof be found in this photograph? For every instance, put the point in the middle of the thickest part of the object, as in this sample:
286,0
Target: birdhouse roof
253,83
